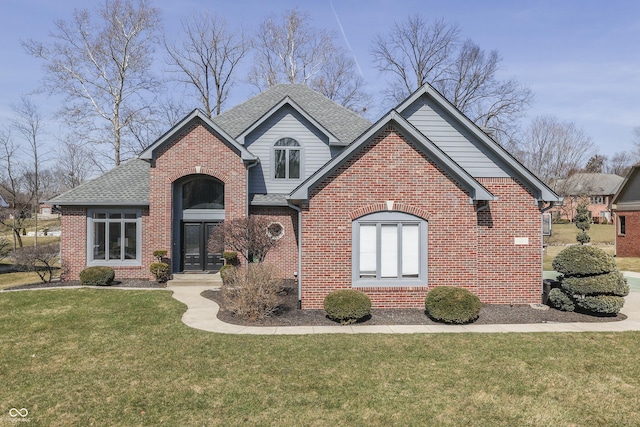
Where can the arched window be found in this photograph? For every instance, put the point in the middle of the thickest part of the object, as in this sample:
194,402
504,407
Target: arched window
389,248
203,193
287,159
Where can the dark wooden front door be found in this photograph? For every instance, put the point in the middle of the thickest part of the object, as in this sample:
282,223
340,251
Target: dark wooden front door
195,254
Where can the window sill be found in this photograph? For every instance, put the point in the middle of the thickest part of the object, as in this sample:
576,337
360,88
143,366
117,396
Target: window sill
134,263
397,283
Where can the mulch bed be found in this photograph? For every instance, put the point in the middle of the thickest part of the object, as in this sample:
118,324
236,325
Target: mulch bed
289,315
118,284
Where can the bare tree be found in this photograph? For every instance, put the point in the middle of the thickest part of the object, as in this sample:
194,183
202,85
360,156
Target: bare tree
290,50
74,163
414,52
552,149
418,51
17,213
28,123
248,236
38,259
207,58
620,163
103,68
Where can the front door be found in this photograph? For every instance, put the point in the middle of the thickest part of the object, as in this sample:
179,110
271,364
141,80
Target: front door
195,254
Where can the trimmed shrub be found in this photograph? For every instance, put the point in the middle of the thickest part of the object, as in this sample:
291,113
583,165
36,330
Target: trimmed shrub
231,258
97,276
347,305
612,283
560,300
602,304
161,271
451,304
226,272
581,260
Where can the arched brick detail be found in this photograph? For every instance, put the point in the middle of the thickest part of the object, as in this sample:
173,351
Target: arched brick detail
193,171
397,207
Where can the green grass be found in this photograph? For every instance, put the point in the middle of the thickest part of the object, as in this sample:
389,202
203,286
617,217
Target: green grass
601,235
123,358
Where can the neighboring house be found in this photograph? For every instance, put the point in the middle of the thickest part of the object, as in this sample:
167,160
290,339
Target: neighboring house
626,205
3,203
595,188
421,198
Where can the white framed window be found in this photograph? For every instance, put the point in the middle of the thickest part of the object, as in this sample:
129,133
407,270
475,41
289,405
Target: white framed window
287,159
114,237
389,249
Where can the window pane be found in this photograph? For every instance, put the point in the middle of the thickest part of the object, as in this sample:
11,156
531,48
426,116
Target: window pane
294,164
130,216
99,240
114,240
130,240
287,142
203,193
368,251
410,250
99,215
115,215
389,250
281,164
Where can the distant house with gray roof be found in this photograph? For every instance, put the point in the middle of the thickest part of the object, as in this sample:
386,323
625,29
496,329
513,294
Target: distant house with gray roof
421,198
595,188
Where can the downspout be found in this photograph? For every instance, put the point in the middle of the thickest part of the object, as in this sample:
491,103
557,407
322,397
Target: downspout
249,166
299,210
544,290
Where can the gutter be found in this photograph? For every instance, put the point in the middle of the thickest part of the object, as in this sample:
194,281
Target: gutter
299,210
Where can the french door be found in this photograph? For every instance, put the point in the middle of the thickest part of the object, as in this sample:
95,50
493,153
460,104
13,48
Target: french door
195,252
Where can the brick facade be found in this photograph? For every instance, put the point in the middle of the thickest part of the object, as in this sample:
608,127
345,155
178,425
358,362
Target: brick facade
628,244
465,248
285,254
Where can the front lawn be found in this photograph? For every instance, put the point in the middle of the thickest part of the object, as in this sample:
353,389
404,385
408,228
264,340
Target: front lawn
108,357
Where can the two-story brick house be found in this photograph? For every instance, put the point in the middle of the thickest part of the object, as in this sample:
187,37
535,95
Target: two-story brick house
422,197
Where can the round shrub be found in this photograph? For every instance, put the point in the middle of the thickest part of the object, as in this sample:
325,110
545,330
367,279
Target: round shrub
450,304
612,283
582,260
347,305
560,300
601,304
97,276
160,270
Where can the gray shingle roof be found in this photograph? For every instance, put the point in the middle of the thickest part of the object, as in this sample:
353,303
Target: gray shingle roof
340,121
125,185
590,184
273,199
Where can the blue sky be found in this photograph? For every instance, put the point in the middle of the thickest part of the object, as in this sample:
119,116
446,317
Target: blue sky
581,58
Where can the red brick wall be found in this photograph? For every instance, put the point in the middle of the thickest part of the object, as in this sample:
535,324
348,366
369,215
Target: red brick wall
73,242
196,150
391,169
508,272
628,245
285,254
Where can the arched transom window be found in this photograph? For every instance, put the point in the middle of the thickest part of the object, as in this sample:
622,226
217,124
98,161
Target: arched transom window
287,159
203,193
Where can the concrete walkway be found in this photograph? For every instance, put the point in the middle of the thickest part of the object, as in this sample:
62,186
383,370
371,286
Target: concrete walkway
202,314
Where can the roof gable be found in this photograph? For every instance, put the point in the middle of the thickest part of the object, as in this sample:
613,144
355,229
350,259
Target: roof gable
287,101
504,159
196,114
628,194
342,123
476,190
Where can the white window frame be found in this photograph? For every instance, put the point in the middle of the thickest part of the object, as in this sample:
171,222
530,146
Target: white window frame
379,220
287,149
91,221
